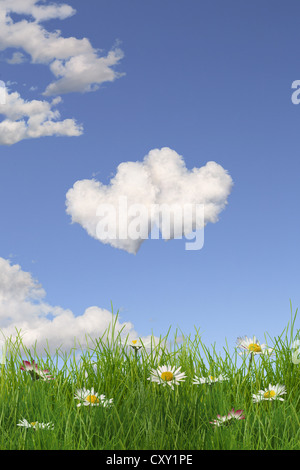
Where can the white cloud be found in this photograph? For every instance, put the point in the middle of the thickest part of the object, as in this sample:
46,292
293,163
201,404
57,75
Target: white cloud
23,309
74,62
162,178
32,119
40,12
17,58
83,72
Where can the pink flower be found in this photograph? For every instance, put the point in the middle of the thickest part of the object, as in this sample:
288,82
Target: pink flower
226,420
35,372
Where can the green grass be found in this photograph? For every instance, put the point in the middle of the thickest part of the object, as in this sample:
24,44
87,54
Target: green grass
146,415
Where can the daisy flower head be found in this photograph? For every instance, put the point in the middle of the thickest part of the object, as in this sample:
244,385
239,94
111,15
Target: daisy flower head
273,392
209,380
135,344
90,398
35,372
228,419
167,375
35,425
252,346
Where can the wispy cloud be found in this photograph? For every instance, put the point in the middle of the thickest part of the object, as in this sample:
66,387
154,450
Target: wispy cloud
17,58
161,178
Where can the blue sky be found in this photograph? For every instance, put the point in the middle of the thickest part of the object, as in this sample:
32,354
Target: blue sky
209,80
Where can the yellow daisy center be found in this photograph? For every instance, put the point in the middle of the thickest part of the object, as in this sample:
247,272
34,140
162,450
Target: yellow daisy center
254,347
269,394
212,377
92,399
34,423
134,341
167,376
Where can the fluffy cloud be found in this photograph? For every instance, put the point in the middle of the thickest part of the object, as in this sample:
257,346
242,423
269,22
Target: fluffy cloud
76,65
23,309
83,72
39,12
161,178
32,119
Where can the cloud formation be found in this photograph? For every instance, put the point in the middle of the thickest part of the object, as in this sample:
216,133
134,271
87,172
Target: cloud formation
17,58
22,308
32,119
161,178
76,65
39,12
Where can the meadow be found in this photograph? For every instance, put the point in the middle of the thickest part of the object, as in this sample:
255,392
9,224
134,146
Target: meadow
126,396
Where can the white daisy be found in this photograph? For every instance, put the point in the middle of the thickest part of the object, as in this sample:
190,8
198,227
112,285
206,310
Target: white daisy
209,380
271,393
167,375
35,425
253,346
135,344
90,398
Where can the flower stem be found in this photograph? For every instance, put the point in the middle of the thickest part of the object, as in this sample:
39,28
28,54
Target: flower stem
250,362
